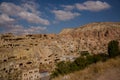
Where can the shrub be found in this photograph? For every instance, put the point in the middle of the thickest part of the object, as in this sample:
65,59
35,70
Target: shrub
80,62
73,67
85,60
113,48
85,53
54,74
63,67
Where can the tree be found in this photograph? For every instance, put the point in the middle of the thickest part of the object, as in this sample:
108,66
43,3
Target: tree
113,48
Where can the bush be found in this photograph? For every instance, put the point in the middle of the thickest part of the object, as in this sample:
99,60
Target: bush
100,57
80,62
113,48
85,60
90,59
54,74
85,53
73,67
63,67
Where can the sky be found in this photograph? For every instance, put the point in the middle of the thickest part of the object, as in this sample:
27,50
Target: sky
52,16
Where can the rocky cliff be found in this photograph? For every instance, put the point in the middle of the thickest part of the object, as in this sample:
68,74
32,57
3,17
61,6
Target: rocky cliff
94,37
51,48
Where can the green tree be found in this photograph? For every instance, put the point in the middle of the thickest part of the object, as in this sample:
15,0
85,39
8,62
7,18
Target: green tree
113,48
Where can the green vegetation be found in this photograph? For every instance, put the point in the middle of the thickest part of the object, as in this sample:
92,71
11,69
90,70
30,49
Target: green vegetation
113,48
84,53
108,70
85,60
79,64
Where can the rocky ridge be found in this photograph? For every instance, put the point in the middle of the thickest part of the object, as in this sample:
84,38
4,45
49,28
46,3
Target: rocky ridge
37,49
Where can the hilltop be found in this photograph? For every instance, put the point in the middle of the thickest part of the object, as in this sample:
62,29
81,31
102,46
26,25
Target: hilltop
99,26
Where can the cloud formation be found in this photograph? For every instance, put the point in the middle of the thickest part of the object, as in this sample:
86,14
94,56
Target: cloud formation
92,6
67,12
68,7
18,29
10,14
88,6
65,15
24,11
10,9
5,19
30,17
31,6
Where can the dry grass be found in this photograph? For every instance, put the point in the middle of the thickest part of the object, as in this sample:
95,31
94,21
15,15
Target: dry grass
109,70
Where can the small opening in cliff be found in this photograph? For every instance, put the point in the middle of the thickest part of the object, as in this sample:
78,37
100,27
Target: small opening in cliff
29,63
21,64
5,60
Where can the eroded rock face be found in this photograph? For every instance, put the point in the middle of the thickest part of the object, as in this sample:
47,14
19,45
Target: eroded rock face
95,37
51,48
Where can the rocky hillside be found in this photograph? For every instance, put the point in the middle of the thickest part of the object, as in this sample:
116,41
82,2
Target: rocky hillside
94,37
109,70
51,48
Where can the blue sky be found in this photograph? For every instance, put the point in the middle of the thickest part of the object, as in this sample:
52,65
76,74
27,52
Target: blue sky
52,16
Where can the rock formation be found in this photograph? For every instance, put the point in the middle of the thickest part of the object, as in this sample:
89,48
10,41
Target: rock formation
26,50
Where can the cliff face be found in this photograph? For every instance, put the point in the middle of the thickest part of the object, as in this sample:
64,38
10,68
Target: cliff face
94,37
50,48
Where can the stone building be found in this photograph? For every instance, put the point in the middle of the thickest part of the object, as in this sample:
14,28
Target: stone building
44,75
35,74
31,74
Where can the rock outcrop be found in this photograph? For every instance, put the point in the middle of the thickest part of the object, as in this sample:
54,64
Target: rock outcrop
39,49
95,37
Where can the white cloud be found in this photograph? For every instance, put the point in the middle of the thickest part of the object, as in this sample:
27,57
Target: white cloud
67,12
34,29
93,6
10,8
5,19
31,30
25,11
10,14
19,29
65,15
68,7
33,18
32,7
